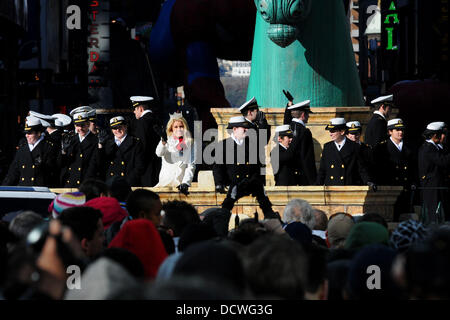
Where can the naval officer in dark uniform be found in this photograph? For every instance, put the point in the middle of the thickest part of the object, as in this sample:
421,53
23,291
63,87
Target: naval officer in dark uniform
304,147
396,159
283,157
433,163
122,155
34,160
149,130
397,165
376,130
256,118
258,126
341,162
237,166
80,157
354,130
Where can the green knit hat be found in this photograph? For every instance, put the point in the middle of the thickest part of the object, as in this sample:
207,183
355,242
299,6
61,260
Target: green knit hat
366,233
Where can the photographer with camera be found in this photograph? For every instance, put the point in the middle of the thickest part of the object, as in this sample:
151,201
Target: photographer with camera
38,267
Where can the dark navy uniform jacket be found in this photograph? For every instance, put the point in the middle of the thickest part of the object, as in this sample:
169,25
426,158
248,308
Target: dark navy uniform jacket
304,154
33,168
126,160
237,163
288,174
150,139
341,168
376,130
81,161
433,164
395,167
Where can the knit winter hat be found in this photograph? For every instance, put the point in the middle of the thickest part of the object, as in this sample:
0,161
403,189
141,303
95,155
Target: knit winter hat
365,233
111,209
141,237
407,233
64,201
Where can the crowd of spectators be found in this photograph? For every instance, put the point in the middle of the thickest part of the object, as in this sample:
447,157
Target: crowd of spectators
96,245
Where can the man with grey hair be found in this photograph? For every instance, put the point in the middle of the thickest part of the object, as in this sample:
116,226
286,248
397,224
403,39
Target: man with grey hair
299,210
24,222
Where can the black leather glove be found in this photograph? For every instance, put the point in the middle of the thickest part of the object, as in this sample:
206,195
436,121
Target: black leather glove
102,136
288,95
372,185
160,132
220,189
66,141
183,188
272,215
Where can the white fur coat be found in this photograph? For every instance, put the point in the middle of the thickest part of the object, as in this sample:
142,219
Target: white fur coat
177,167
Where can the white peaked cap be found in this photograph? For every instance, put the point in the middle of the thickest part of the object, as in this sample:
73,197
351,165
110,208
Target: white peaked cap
282,128
248,103
237,119
436,126
32,121
141,98
353,124
115,121
80,117
62,120
394,122
41,116
337,121
80,109
300,104
383,98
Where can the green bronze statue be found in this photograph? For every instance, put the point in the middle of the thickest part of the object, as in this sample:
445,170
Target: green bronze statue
303,46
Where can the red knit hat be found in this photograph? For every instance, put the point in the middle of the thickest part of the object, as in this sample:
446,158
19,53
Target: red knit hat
141,238
111,209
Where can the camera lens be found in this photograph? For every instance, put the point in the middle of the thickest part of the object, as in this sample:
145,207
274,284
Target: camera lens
37,236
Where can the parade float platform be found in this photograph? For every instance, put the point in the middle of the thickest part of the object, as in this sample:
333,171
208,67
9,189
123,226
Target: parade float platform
354,200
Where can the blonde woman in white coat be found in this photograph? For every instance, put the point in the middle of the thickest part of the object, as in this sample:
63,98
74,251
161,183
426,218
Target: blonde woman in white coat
177,153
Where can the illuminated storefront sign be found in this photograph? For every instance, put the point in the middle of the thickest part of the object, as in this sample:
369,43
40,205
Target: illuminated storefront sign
98,45
390,25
